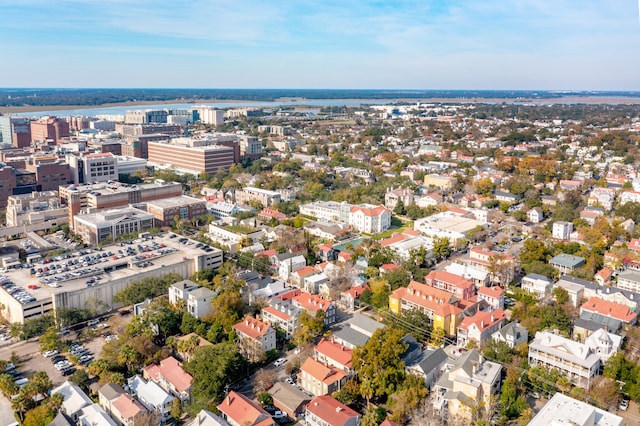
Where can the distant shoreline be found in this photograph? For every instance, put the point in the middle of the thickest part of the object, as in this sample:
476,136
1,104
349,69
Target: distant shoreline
593,100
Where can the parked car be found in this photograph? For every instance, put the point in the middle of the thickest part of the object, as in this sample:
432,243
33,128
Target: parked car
279,362
624,404
51,353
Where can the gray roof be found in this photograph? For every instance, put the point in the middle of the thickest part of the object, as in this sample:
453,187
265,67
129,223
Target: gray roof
513,329
630,275
350,336
111,391
364,324
534,276
184,284
612,324
587,324
432,359
578,281
289,396
568,260
414,350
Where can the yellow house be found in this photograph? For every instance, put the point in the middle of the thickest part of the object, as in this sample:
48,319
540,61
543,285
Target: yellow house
443,182
439,305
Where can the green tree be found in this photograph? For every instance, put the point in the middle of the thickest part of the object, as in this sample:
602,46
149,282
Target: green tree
441,248
378,363
213,367
309,326
146,288
561,295
176,409
81,378
50,340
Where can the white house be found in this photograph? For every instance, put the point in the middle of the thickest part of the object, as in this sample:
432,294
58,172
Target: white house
290,264
562,230
535,215
538,285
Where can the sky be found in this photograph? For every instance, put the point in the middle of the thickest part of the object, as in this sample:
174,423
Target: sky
333,44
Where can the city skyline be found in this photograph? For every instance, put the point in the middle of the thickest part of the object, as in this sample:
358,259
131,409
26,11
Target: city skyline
531,44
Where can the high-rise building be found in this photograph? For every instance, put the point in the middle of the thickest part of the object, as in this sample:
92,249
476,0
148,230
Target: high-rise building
93,168
15,131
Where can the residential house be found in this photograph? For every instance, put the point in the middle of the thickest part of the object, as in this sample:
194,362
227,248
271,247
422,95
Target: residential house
348,297
440,306
152,396
479,327
356,331
126,410
567,263
501,267
288,263
319,379
562,230
94,415
429,366
512,334
575,360
187,355
629,280
507,197
207,418
325,410
467,382
255,337
613,310
289,399
603,277
74,399
199,302
538,285
395,196
564,410
283,314
238,410
574,287
312,304
494,296
297,277
478,276
170,375
535,215
107,394
315,283
334,354
603,344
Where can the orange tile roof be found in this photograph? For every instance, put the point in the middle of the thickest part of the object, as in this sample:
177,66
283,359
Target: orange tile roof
494,291
335,351
449,278
171,369
433,299
375,211
307,270
267,253
242,410
344,255
483,320
396,238
127,406
604,273
411,232
325,247
331,411
356,291
387,267
321,372
252,327
311,302
634,244
610,309
289,295
277,313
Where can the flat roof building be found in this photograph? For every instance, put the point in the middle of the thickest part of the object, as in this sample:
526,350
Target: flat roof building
108,225
193,159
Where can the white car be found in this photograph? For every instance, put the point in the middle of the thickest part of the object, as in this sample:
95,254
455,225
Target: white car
624,404
93,322
279,362
51,353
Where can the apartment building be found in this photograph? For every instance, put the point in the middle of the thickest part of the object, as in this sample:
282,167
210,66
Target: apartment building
334,354
250,147
370,219
455,284
575,360
49,128
283,314
562,230
440,306
397,195
255,337
629,280
196,299
312,304
494,296
93,168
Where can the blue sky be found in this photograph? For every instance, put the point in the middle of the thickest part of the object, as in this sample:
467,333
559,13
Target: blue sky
401,44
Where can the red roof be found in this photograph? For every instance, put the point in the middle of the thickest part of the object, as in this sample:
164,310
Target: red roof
171,370
392,240
267,253
494,291
289,295
277,313
311,302
610,309
252,327
375,211
449,278
428,297
321,372
335,351
127,406
388,267
325,247
306,271
331,411
356,291
483,320
243,411
634,244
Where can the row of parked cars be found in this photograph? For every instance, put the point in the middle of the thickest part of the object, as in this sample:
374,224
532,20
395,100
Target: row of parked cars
16,375
62,364
17,292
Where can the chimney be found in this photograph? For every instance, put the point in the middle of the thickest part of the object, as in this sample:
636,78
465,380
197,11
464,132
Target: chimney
475,367
338,409
246,322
